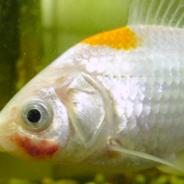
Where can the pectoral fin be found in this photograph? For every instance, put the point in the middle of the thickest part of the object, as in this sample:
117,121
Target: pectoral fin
179,162
176,168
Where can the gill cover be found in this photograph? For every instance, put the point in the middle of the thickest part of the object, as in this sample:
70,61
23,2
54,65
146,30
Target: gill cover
87,111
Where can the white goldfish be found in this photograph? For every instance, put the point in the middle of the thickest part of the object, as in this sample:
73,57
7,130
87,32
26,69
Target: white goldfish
115,100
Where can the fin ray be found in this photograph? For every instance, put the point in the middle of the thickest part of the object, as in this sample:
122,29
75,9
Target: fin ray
174,15
166,13
157,12
150,11
148,157
160,6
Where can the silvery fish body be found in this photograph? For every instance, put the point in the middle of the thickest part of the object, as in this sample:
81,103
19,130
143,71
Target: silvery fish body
141,95
115,100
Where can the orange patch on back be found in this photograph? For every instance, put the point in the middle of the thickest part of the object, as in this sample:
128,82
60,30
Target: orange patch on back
122,38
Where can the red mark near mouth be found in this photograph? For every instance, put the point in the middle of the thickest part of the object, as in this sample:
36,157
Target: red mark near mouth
40,149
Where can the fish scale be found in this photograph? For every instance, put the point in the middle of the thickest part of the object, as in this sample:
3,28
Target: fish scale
148,92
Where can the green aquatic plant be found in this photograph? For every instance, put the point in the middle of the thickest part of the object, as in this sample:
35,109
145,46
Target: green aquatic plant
9,48
137,179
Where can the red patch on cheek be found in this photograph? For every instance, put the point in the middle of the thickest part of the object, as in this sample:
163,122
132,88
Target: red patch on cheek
40,149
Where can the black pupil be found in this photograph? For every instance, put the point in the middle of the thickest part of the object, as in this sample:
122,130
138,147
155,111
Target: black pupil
34,116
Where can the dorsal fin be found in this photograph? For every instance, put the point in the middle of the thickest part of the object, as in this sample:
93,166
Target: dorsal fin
157,12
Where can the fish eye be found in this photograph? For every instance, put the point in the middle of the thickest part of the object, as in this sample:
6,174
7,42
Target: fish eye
37,115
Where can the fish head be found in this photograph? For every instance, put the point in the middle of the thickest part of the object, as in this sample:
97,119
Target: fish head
57,115
34,123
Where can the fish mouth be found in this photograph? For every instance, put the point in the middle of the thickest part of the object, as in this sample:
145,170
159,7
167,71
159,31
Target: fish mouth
6,131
